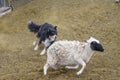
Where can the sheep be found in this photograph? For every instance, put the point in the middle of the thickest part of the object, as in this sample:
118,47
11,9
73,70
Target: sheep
66,53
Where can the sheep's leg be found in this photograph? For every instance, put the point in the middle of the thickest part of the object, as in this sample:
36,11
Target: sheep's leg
46,66
80,61
72,67
55,67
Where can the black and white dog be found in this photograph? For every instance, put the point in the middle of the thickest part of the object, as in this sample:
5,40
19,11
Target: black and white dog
45,33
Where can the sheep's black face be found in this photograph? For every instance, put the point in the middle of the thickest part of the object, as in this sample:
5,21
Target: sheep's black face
96,46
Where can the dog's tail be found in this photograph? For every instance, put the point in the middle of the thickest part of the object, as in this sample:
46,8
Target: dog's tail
33,27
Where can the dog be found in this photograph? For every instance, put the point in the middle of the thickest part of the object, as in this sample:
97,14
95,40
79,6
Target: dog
45,34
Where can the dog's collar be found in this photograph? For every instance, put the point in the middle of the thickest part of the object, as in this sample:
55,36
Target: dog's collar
50,44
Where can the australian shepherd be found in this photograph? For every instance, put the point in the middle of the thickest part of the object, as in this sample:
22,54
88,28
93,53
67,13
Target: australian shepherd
45,33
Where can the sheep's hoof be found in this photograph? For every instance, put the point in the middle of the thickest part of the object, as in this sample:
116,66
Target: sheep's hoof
45,74
78,73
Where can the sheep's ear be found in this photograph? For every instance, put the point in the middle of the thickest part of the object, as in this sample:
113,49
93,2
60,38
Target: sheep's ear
55,27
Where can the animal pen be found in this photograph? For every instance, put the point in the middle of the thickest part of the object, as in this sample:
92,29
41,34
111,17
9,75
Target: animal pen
5,7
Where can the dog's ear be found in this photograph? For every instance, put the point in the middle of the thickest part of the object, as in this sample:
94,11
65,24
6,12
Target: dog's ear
55,27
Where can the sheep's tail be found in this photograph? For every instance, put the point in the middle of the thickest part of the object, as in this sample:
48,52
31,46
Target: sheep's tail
33,27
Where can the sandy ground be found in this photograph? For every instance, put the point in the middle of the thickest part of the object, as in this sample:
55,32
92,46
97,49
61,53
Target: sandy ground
76,20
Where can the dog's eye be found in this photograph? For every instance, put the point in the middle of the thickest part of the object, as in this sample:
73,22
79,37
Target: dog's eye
52,33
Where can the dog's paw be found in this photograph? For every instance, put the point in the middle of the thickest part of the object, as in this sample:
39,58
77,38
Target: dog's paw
36,48
34,42
43,52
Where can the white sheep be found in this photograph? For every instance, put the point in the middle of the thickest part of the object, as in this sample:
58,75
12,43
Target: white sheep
71,53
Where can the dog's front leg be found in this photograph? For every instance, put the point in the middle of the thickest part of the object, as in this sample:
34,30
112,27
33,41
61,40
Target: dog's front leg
47,44
37,45
43,51
34,42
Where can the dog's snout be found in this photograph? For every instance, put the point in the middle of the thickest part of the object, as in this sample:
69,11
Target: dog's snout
102,50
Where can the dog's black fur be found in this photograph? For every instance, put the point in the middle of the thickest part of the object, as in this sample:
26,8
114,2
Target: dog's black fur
46,30
33,27
43,32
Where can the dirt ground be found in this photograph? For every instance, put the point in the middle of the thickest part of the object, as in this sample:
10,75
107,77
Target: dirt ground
76,20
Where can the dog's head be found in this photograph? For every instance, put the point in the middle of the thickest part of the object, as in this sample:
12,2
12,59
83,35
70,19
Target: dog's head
95,44
48,31
52,33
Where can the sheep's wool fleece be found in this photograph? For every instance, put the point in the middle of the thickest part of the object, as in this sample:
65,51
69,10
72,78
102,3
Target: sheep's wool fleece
66,52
